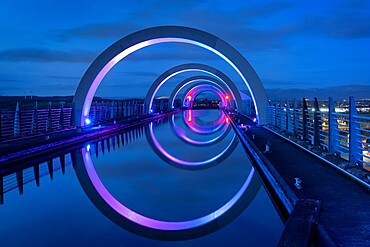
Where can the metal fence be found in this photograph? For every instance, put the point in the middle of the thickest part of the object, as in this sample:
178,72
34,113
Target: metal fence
345,134
20,122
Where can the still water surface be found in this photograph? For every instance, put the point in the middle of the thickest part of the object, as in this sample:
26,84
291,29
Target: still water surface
129,189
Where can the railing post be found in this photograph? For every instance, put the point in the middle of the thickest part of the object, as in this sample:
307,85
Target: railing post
35,122
354,146
295,118
275,115
17,121
49,119
332,127
316,124
304,119
95,111
281,110
61,116
0,123
112,111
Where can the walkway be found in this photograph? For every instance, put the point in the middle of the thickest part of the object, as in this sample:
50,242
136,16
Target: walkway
345,212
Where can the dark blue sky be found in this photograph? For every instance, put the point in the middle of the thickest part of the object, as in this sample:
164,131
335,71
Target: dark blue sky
46,46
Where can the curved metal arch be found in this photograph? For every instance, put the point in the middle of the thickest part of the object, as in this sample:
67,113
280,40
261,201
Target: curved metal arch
163,34
194,79
165,76
196,90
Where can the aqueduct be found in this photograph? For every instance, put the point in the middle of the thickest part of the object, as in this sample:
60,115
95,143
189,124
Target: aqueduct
163,34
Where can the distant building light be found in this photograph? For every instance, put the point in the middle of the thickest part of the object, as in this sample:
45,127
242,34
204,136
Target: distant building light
88,147
227,97
254,120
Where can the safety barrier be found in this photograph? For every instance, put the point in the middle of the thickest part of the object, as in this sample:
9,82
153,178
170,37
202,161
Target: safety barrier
345,134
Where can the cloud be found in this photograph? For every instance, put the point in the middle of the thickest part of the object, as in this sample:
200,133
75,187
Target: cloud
140,74
95,31
64,77
349,25
46,55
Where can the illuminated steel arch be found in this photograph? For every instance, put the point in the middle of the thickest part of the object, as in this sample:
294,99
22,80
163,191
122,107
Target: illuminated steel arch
193,92
194,79
163,34
165,76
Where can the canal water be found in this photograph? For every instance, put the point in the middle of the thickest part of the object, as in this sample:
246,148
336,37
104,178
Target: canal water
182,181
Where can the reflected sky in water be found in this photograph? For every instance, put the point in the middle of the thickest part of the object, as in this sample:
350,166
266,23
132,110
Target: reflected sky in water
60,213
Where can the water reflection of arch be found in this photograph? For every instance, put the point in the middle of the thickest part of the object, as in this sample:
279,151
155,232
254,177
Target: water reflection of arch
194,91
184,164
165,76
204,80
182,134
202,127
158,229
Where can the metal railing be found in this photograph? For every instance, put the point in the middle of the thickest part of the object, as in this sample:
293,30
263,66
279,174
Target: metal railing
345,134
24,122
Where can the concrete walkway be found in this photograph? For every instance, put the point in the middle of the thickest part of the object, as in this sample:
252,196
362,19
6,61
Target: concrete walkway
345,212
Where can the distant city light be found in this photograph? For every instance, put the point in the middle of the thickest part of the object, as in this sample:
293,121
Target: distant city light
88,147
87,121
254,120
227,97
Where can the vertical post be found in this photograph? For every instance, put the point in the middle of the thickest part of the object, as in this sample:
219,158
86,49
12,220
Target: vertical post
17,121
332,127
112,111
275,115
1,190
0,123
95,110
35,124
354,146
48,119
316,124
288,118
304,120
61,116
281,114
101,112
295,117
125,109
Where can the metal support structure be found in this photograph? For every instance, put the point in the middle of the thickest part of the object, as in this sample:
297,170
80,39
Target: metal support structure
61,116
332,127
316,123
295,117
288,118
354,147
17,121
304,120
49,119
282,115
35,125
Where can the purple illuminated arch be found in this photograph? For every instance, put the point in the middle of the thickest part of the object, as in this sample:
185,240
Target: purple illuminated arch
163,34
191,67
197,80
196,90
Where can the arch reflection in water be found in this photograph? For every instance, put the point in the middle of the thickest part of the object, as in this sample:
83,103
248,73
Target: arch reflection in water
195,128
182,134
146,226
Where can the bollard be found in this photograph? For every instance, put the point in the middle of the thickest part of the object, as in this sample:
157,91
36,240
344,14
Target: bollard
297,183
268,147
